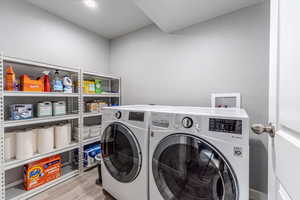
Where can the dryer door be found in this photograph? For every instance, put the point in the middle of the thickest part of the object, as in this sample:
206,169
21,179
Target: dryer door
188,168
121,153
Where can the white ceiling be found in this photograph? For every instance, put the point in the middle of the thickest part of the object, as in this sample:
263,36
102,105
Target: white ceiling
172,15
111,19
114,18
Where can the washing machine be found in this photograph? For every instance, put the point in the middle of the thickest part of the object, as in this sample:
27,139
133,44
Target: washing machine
199,153
125,134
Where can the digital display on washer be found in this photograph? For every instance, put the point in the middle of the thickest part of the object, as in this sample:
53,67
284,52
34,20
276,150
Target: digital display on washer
161,123
225,126
136,116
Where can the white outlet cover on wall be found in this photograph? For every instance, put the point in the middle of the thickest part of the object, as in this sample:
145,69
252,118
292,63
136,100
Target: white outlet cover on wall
226,100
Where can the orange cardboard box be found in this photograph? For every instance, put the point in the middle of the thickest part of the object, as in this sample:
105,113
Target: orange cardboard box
30,85
42,171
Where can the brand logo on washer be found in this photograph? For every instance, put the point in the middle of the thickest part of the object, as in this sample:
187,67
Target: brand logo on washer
238,151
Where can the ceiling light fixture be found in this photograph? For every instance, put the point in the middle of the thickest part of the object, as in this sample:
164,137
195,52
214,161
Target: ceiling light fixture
90,3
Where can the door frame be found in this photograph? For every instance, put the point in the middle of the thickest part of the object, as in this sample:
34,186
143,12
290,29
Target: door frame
274,13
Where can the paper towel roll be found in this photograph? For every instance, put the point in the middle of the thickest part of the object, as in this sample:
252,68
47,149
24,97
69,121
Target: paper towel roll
61,137
24,146
45,138
34,140
9,145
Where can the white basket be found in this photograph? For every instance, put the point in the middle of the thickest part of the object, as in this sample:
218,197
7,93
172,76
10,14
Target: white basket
95,130
86,133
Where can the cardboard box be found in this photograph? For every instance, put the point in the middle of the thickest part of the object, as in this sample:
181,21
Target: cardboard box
41,172
21,111
30,85
89,87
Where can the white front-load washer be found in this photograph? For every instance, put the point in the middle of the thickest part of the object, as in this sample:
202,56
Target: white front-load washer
125,133
199,154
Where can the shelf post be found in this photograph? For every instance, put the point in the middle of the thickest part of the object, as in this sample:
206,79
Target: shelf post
2,159
80,122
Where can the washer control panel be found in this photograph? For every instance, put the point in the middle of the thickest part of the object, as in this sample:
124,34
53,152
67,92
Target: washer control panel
187,123
136,116
178,122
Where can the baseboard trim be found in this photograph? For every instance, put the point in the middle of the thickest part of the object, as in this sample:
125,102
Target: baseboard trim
257,195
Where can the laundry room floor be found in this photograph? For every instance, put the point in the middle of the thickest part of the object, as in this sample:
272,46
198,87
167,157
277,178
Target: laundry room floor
79,188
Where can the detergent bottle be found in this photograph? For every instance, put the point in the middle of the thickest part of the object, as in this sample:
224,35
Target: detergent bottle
67,81
57,83
11,82
47,85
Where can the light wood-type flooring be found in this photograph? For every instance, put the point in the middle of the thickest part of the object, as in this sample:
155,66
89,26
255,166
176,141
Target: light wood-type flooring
79,188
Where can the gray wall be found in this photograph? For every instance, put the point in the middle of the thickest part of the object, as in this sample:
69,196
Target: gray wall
31,33
226,54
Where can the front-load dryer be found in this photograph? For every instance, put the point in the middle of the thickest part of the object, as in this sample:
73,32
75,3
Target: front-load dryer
199,153
125,133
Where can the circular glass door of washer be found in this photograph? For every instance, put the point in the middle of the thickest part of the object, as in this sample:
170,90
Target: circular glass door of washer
189,168
121,153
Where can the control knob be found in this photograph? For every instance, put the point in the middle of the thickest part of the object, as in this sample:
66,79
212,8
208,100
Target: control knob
118,114
187,122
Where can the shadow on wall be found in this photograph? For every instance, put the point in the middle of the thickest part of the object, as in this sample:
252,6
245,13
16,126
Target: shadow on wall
258,164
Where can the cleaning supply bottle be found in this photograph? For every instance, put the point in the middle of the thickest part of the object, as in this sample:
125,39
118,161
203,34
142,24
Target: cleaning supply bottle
67,84
11,83
57,83
98,86
47,85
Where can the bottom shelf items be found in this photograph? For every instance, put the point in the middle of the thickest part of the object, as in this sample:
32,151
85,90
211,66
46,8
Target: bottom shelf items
18,193
91,155
23,182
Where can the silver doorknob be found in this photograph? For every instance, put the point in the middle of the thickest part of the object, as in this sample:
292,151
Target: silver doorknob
260,129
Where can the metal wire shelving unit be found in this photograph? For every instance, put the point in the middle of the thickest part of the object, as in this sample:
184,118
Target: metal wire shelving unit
111,94
15,191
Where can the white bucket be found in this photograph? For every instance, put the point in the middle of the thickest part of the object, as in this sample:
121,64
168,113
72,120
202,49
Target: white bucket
45,140
61,136
9,145
24,144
